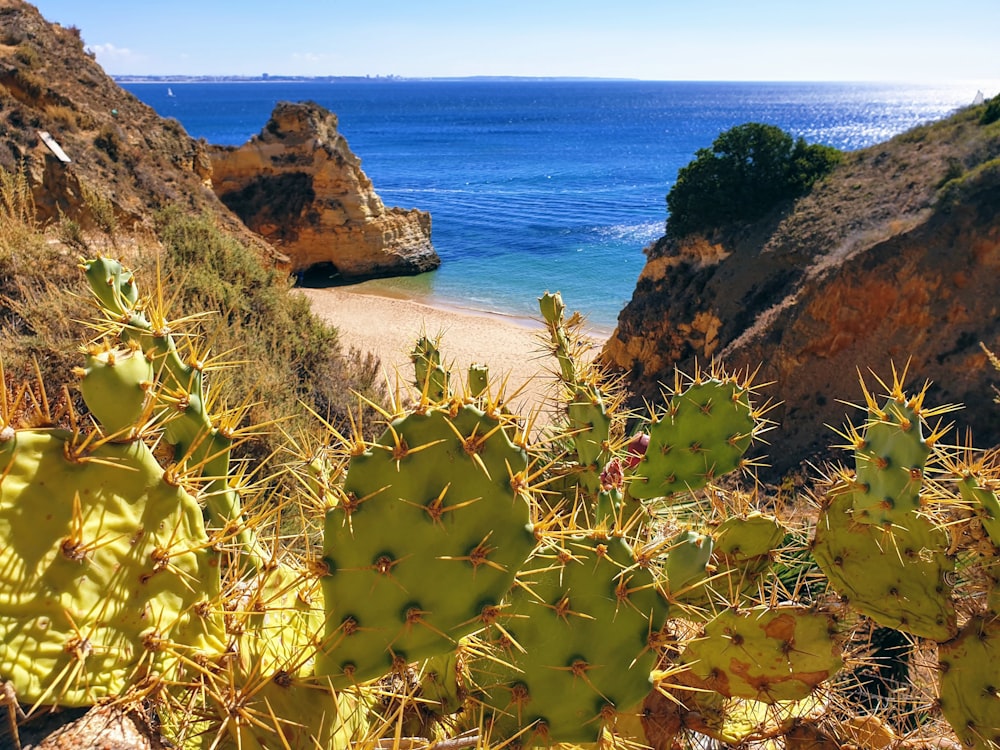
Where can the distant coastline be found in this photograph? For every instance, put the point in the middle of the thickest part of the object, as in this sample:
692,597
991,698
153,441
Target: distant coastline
266,78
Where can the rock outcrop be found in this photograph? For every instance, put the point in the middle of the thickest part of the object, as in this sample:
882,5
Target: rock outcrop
299,185
125,161
892,259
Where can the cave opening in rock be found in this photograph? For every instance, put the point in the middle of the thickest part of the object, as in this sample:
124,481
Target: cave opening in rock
320,275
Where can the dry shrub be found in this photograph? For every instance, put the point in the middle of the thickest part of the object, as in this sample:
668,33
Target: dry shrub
284,357
37,314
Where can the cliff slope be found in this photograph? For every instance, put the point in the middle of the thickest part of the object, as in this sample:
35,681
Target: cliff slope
299,185
125,160
892,258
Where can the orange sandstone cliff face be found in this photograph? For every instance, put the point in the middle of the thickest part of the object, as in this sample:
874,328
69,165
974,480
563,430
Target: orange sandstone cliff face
299,185
893,259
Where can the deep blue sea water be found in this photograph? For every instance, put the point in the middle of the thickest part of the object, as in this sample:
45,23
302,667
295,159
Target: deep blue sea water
538,185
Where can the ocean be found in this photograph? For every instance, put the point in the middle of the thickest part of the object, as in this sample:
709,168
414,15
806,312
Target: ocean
537,185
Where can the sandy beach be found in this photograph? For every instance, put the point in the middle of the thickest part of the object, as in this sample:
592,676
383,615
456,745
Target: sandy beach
388,326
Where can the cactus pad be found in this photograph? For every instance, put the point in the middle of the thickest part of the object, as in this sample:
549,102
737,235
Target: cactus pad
766,654
703,434
432,379
579,636
424,543
896,576
889,463
742,539
104,568
685,565
744,548
981,497
114,385
969,696
113,285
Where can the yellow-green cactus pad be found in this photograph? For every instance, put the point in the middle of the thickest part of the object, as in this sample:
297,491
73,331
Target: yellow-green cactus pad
890,464
744,546
114,386
575,644
982,500
703,434
741,539
970,696
896,576
685,565
105,570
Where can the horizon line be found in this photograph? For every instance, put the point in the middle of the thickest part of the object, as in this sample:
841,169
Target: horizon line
392,78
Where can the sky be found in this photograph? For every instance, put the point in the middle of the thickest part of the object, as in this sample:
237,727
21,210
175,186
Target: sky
735,40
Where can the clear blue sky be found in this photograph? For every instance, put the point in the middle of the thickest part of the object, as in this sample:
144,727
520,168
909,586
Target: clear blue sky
899,40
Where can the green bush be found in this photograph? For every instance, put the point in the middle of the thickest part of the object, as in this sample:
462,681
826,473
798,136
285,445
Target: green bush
992,112
297,357
748,170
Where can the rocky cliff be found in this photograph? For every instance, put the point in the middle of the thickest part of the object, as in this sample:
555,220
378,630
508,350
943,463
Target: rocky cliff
299,185
893,258
125,161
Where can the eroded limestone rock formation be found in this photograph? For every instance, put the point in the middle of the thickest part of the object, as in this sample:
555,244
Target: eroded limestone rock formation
299,185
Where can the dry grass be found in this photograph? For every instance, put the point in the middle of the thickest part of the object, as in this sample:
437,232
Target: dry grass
282,355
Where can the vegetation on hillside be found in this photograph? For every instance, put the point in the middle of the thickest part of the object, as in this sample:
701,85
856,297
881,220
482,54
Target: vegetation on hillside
992,111
748,170
251,314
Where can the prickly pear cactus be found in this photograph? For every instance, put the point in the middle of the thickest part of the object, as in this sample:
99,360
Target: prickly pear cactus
587,410
898,576
115,582
878,545
684,564
744,546
767,654
682,704
107,575
702,433
116,384
979,493
424,542
750,537
889,458
433,379
202,441
264,693
575,644
969,698
477,379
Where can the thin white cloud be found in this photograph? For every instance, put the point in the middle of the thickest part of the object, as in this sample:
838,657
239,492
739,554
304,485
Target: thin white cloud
109,53
312,57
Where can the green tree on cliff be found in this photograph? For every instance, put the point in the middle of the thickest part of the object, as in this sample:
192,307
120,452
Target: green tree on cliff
747,171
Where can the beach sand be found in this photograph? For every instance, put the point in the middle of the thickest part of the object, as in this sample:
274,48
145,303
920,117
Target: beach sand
388,326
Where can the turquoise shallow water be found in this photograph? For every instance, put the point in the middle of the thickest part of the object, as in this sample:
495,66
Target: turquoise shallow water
538,185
